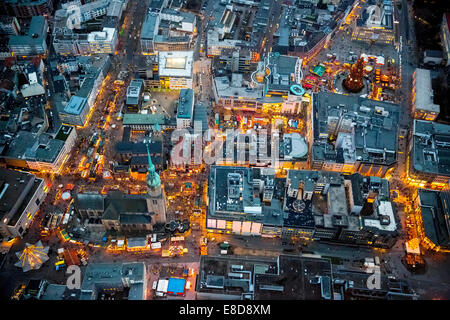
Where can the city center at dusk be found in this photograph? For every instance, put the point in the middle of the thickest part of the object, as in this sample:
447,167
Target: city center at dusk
205,152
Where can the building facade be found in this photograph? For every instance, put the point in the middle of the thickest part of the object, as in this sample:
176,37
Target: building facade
305,204
34,42
353,134
445,37
21,194
422,96
428,156
376,23
175,69
433,209
185,110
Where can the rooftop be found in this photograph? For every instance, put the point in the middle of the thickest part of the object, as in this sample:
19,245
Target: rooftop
303,26
37,33
235,88
220,275
143,119
16,190
106,35
431,154
86,201
134,91
185,104
285,277
295,280
294,146
376,15
75,105
176,286
435,211
126,208
231,195
33,147
283,72
363,129
150,26
424,91
101,276
306,199
59,292
176,64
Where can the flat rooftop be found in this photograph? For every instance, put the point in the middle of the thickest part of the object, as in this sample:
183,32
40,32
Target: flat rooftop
285,277
100,276
133,91
226,88
16,190
76,105
143,119
217,274
231,195
370,19
185,104
150,26
366,129
431,154
424,91
35,35
176,64
293,280
435,211
29,146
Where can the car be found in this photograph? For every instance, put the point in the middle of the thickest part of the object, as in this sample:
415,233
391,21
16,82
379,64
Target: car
155,284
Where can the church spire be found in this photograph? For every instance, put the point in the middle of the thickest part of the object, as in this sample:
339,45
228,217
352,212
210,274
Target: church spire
153,179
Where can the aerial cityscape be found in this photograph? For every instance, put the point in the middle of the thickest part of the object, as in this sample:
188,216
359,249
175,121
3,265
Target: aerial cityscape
224,150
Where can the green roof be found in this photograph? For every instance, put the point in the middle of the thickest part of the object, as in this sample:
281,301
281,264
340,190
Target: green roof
319,70
143,119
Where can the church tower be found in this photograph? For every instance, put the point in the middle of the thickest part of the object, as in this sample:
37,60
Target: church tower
156,198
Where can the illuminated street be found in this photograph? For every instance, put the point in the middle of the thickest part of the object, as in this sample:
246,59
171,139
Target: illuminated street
224,150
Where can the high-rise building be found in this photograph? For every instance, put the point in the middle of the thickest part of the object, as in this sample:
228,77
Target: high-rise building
34,42
9,25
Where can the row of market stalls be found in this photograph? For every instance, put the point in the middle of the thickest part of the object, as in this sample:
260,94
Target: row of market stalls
150,243
175,285
33,256
171,286
135,244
